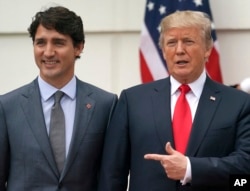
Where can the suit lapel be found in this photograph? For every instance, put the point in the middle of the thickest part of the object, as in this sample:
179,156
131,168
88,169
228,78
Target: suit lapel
84,109
162,112
209,101
31,105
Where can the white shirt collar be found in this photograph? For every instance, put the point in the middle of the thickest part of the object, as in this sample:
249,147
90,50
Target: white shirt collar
196,86
48,90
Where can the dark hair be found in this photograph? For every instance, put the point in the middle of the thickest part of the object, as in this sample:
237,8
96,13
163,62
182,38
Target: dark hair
62,20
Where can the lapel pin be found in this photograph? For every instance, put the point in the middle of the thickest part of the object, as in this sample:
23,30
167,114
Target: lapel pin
212,98
88,106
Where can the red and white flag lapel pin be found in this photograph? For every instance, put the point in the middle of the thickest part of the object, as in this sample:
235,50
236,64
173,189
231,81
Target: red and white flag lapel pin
88,105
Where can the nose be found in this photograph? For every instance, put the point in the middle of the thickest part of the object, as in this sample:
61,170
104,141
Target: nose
180,48
49,51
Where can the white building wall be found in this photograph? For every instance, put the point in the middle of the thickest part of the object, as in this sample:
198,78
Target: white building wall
110,58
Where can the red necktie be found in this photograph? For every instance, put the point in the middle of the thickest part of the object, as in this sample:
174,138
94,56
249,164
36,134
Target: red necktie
182,120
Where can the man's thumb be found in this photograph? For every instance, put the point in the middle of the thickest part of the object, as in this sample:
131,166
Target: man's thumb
169,149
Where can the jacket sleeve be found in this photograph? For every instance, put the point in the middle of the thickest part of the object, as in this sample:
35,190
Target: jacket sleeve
4,150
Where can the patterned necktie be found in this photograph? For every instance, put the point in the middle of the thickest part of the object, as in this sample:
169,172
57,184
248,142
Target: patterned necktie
57,131
182,120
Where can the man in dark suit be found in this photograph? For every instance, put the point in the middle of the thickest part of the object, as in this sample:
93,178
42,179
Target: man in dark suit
142,143
27,160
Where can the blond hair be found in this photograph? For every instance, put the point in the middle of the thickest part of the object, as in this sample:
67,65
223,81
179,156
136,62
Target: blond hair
188,19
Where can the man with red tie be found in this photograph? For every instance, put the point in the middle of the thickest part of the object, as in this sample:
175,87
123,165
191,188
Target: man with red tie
185,132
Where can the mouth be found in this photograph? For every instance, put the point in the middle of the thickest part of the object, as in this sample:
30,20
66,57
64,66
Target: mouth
49,62
181,62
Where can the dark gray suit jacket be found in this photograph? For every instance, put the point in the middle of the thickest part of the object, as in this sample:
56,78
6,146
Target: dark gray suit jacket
26,159
219,144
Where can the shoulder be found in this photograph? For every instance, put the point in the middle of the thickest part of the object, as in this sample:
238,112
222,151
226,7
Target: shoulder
23,90
228,94
93,90
226,90
149,87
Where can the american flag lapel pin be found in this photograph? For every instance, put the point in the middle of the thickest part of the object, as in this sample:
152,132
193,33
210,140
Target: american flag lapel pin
88,105
212,98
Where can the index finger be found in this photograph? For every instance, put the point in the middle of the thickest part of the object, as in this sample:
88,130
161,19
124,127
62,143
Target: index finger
156,157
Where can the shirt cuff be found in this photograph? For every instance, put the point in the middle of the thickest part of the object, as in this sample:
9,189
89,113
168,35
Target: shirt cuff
188,175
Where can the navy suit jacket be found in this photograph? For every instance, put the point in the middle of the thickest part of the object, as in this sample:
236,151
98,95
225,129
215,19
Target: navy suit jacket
219,143
26,159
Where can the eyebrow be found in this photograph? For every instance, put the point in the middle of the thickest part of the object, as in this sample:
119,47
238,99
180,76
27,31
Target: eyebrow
53,39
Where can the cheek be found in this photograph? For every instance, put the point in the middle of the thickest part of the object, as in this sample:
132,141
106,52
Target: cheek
68,53
197,54
37,52
167,54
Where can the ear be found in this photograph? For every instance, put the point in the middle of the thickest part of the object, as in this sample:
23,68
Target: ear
208,52
78,49
163,53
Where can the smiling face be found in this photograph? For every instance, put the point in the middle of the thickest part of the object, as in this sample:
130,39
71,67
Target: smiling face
55,56
185,52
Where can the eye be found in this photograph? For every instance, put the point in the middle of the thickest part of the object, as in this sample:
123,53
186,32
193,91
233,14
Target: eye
39,42
59,42
171,43
189,42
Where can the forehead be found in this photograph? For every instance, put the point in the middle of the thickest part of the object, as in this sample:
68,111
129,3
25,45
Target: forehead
191,32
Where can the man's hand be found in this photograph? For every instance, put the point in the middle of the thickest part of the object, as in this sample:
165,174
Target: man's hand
174,163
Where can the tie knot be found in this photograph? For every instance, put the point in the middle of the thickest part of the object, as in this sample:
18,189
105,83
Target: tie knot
184,88
58,96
